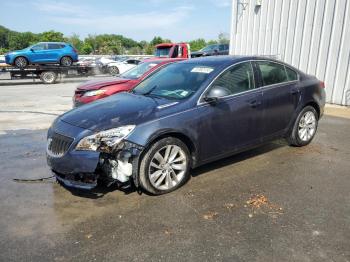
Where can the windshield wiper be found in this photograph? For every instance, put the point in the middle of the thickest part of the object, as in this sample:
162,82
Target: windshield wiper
149,91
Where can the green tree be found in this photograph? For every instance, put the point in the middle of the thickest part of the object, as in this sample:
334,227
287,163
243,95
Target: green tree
21,40
86,49
76,42
197,44
51,36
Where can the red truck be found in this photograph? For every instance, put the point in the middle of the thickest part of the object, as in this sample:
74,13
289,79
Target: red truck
173,50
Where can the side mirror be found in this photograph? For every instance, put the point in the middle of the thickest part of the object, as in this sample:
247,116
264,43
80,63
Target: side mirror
215,93
32,49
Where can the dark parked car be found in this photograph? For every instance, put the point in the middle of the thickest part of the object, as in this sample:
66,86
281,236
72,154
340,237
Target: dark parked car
187,114
217,49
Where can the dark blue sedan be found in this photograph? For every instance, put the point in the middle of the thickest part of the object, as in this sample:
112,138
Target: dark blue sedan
187,114
43,53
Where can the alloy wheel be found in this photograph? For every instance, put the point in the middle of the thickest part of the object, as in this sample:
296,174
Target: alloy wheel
21,62
66,61
167,167
307,126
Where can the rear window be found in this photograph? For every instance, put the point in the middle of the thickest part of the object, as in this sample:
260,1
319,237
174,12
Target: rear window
272,73
291,74
55,46
223,47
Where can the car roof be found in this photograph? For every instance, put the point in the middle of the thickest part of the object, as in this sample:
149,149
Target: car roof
226,60
163,60
52,43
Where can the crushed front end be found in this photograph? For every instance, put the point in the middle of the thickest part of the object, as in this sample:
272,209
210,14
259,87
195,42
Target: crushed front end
83,159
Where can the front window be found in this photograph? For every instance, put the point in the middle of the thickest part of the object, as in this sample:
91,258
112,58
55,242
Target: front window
139,70
38,47
238,79
162,52
176,81
209,48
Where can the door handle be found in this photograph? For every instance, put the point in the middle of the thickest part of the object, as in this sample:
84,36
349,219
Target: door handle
295,91
254,103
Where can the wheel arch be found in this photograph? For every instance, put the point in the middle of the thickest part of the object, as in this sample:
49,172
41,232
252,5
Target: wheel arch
314,105
179,135
20,55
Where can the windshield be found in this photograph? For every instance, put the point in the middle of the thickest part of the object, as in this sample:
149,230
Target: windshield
162,52
210,47
139,70
176,81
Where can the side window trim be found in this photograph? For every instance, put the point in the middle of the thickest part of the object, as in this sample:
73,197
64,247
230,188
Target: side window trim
277,84
201,101
258,82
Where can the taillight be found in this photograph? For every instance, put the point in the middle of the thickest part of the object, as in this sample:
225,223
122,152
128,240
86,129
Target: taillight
322,85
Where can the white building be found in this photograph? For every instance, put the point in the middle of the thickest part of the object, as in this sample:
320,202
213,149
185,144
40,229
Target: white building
312,35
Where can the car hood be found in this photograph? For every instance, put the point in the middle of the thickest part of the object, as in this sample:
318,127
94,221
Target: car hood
97,84
117,110
197,52
15,51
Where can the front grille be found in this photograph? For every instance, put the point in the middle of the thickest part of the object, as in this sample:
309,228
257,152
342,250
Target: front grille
58,145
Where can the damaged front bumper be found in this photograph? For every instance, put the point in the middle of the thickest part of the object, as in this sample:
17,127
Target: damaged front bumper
84,169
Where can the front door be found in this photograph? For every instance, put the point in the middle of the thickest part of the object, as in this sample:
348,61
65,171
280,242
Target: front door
234,122
38,53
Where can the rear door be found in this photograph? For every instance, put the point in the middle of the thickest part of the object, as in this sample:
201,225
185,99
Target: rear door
54,52
235,120
280,96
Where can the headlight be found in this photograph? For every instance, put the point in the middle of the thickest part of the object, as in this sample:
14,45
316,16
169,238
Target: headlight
95,92
105,140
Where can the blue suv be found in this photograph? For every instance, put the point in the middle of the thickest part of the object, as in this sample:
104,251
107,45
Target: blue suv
42,53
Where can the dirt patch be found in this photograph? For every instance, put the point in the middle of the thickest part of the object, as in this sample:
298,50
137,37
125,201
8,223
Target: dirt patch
210,215
261,204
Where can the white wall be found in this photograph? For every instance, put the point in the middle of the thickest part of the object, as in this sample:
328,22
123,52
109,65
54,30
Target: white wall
312,35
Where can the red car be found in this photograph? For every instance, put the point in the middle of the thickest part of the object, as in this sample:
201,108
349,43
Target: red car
96,89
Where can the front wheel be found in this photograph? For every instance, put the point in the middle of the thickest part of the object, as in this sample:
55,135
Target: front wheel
113,70
66,61
165,166
304,128
21,62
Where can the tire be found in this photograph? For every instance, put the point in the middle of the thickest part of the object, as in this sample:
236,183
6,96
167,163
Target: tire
113,70
21,62
66,61
158,177
48,77
304,128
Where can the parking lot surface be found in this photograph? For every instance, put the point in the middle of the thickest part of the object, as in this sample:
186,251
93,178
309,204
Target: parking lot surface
273,203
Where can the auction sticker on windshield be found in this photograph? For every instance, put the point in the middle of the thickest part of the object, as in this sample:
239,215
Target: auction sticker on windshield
202,69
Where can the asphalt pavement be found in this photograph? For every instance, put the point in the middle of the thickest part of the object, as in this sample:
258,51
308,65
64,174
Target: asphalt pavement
272,203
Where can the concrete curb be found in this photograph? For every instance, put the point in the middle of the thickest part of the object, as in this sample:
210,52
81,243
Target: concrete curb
338,111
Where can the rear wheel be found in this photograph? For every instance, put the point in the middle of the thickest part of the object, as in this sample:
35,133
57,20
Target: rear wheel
113,70
165,166
21,62
66,61
48,77
304,128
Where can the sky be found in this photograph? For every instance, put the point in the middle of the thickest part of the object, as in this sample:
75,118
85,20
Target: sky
178,20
